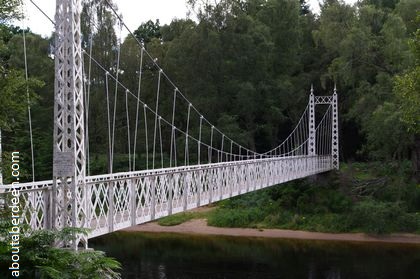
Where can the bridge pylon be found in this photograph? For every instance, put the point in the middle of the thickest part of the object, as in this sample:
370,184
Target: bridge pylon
68,197
312,128
334,142
312,144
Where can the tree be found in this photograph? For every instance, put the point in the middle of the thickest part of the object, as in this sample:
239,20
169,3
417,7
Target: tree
364,49
9,10
148,30
12,82
13,86
40,67
406,89
387,138
16,92
98,27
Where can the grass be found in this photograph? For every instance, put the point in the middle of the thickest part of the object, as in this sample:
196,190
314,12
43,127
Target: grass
359,171
183,217
327,204
331,204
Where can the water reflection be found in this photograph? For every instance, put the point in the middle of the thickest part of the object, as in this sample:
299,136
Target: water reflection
162,256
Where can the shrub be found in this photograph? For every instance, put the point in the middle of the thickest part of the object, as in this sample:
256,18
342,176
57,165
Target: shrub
338,202
40,258
382,217
279,219
235,218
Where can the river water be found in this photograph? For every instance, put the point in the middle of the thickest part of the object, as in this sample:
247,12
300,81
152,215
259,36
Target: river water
161,256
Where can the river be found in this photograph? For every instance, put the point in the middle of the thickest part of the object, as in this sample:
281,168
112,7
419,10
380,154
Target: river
167,256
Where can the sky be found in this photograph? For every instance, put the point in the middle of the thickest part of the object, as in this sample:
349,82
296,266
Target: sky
134,12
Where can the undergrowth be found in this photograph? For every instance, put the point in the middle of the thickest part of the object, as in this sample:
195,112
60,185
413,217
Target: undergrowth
362,197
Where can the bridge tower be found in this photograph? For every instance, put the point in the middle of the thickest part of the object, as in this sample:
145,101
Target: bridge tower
68,208
334,142
312,128
324,100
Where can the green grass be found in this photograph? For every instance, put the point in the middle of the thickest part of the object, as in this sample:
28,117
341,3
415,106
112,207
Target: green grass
330,203
359,171
327,204
236,218
327,222
183,217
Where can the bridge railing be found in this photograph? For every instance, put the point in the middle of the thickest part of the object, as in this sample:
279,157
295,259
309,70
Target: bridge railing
120,200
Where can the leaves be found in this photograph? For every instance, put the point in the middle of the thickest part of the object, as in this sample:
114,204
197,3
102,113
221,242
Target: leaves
67,264
247,65
13,97
148,30
9,10
407,88
41,258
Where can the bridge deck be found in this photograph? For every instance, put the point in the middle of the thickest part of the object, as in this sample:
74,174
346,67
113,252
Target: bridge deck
117,201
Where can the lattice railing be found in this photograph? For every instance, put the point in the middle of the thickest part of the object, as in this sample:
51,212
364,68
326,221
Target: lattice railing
122,200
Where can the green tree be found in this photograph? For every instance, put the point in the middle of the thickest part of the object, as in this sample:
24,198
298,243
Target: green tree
406,89
148,30
364,50
16,92
40,67
100,38
9,10
387,137
12,81
13,98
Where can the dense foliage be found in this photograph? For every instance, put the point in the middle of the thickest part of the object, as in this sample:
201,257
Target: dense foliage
248,66
40,257
38,254
258,56
372,198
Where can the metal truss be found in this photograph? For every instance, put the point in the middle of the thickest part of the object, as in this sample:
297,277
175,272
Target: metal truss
335,136
323,100
106,203
68,194
110,202
121,200
312,127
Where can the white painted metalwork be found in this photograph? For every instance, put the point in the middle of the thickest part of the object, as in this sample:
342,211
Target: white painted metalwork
312,130
323,100
335,146
68,195
122,200
109,202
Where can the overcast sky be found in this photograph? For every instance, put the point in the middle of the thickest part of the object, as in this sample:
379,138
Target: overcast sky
134,12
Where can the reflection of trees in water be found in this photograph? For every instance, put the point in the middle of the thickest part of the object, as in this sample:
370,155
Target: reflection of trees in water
180,256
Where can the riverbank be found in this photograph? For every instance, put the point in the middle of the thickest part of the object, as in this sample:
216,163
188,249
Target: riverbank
199,226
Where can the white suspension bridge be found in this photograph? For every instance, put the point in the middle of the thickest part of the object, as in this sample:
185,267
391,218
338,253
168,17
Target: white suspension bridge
187,161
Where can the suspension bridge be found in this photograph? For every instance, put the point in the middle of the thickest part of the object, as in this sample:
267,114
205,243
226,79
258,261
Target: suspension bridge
186,161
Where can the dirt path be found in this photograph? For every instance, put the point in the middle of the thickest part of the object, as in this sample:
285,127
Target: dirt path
199,226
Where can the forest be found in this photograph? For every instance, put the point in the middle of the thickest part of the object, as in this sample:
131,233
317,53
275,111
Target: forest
249,66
